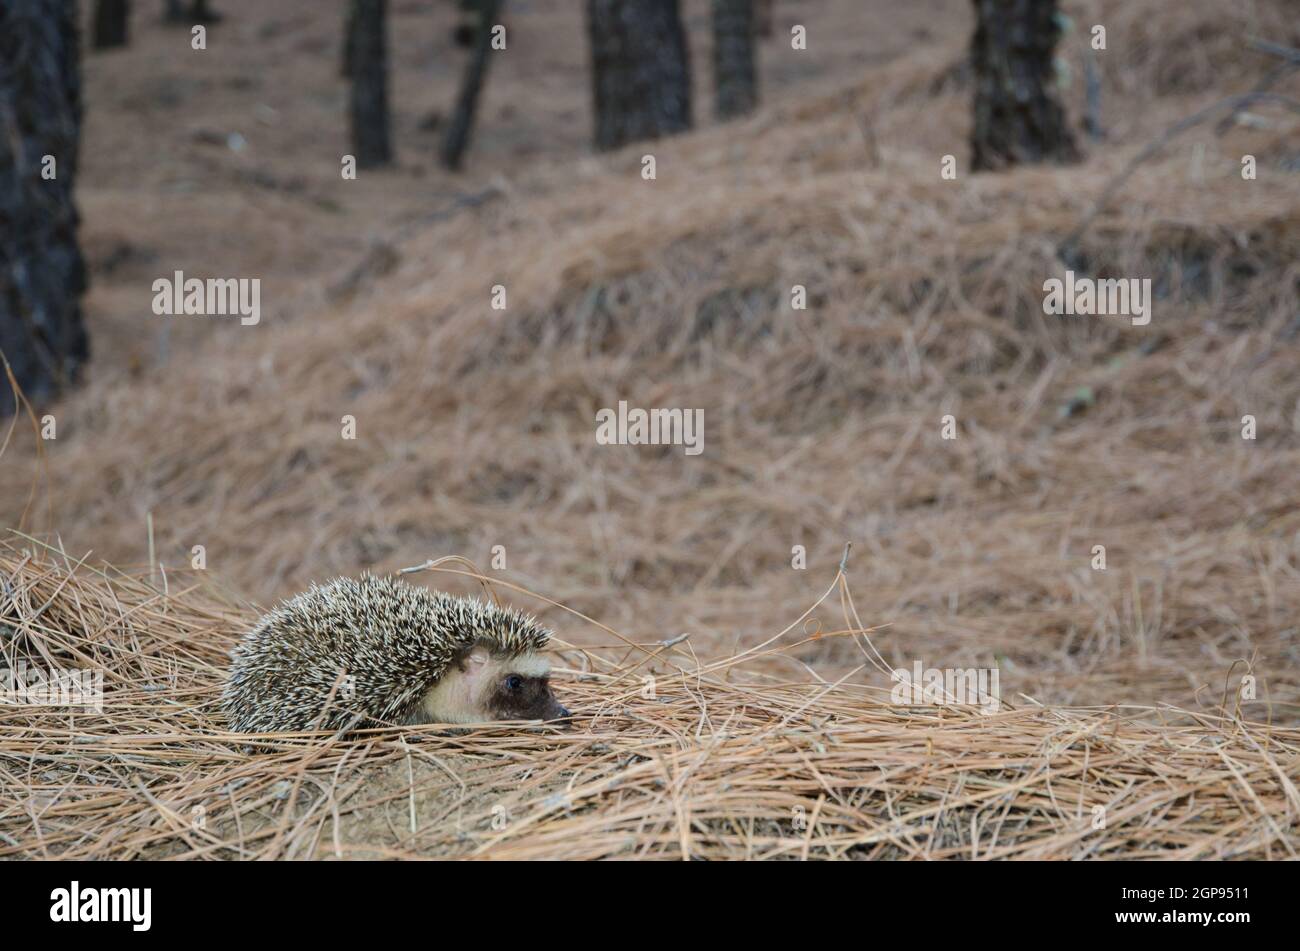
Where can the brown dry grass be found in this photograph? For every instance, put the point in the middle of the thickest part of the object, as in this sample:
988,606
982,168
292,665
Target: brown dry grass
711,763
475,428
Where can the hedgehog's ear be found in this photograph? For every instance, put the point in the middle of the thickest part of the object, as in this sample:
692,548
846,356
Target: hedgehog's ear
476,670
473,664
469,661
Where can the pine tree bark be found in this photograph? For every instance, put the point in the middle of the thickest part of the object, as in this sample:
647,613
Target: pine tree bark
345,60
42,272
371,143
175,13
1018,119
201,12
641,77
462,121
735,78
111,17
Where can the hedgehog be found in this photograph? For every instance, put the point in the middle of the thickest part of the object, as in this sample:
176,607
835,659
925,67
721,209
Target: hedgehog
378,651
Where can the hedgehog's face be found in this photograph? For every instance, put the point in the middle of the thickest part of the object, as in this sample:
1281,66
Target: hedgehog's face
521,690
480,687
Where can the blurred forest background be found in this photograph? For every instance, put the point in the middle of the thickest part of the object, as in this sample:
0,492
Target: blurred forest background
777,165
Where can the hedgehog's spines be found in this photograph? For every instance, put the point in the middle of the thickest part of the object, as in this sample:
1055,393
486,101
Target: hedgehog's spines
394,640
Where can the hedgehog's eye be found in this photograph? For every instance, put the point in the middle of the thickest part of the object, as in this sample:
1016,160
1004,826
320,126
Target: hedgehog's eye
514,682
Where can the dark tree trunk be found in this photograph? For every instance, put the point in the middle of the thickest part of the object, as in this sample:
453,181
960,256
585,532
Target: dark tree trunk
466,28
369,63
462,121
202,12
345,67
42,274
641,75
1017,117
735,79
111,18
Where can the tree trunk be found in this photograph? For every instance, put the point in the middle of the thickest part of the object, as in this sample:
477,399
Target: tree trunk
369,64
42,273
345,63
201,12
111,18
641,75
174,13
1017,117
735,80
466,28
462,121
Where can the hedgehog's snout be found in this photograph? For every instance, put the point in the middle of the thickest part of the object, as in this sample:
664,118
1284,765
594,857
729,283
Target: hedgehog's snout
559,715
